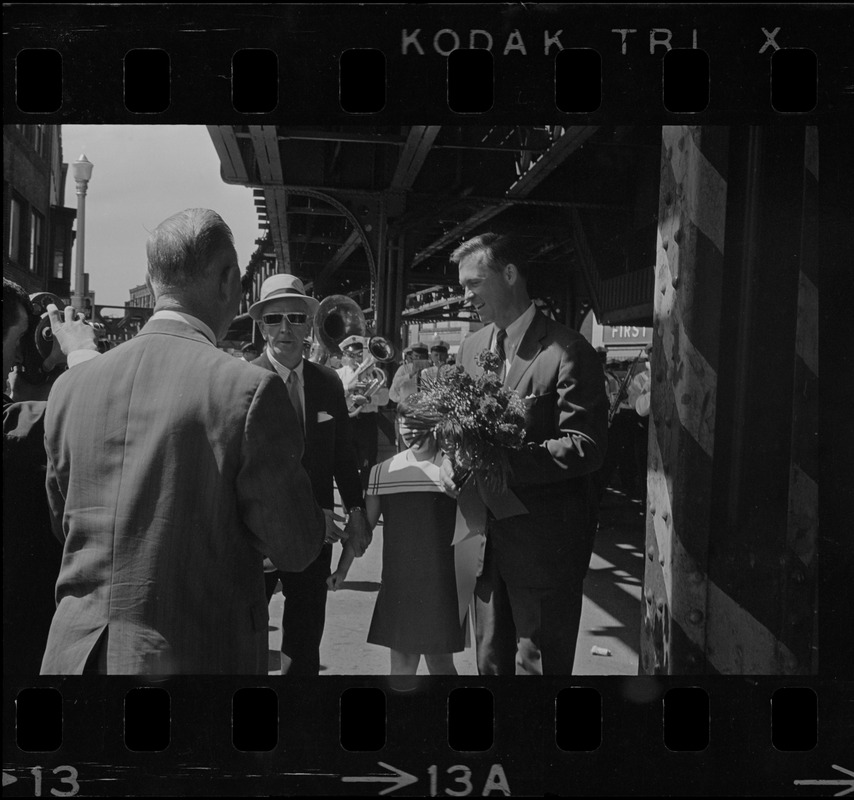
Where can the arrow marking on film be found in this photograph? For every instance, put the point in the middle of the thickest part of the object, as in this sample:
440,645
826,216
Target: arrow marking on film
399,779
8,779
849,782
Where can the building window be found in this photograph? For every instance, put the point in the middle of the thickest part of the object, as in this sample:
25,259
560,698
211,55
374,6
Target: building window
15,217
36,244
59,263
39,138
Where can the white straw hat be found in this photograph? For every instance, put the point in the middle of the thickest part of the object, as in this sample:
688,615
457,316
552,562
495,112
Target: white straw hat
282,286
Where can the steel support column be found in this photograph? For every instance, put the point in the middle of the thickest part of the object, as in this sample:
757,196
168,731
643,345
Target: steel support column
729,582
760,614
687,318
383,299
396,294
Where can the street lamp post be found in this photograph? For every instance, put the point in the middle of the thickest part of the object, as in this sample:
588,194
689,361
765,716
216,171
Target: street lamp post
82,170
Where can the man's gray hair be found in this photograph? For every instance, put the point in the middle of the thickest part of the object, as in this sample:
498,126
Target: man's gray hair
14,295
181,248
500,250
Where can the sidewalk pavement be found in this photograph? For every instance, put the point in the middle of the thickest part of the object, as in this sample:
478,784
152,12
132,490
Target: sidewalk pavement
610,615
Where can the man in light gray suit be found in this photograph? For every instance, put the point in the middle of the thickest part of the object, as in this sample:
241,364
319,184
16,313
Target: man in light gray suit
173,470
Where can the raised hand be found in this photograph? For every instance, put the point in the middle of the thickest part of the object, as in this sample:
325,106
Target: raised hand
70,333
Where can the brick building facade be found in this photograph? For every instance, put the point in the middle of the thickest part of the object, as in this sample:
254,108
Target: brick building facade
140,297
37,228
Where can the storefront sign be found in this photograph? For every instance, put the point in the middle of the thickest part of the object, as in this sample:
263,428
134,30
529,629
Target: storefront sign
617,335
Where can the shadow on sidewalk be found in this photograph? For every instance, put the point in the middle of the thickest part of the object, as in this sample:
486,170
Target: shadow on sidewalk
612,587
361,586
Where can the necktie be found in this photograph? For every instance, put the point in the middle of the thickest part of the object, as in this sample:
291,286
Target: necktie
500,336
499,344
293,390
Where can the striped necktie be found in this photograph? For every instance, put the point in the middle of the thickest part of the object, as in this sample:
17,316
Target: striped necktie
500,336
499,343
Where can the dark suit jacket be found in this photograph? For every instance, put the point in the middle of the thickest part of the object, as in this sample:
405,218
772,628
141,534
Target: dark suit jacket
173,469
559,374
329,449
31,554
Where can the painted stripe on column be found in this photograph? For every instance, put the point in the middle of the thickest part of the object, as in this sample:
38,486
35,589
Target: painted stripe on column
805,413
802,517
743,644
659,492
806,338
703,187
699,289
802,512
686,598
695,385
692,215
811,150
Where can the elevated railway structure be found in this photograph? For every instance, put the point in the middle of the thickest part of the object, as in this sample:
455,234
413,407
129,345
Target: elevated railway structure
706,234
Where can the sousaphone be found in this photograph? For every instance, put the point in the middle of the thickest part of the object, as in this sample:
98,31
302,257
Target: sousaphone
339,317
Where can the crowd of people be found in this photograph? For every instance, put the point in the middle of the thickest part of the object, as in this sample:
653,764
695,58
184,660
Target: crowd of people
628,388
184,486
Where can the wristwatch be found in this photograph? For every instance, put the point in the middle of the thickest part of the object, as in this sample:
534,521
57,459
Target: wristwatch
360,509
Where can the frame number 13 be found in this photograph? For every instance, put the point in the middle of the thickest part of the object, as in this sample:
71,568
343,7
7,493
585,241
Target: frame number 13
67,775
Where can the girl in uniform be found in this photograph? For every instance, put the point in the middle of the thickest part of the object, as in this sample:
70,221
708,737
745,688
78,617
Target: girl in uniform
416,612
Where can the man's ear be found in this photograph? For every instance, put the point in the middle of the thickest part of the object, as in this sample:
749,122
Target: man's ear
225,280
511,273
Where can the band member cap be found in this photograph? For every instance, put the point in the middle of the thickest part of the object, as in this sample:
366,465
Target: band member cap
354,343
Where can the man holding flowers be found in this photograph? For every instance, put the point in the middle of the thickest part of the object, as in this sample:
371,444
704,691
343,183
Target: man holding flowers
528,596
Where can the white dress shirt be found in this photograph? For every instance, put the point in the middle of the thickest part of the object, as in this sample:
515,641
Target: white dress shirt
285,373
193,322
515,332
404,383
380,398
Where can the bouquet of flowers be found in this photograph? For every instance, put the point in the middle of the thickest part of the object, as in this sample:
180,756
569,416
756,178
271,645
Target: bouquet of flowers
476,421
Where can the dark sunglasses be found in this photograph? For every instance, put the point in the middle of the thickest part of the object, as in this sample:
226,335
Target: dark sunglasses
293,318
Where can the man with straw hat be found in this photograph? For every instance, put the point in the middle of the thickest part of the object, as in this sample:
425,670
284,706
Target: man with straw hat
285,315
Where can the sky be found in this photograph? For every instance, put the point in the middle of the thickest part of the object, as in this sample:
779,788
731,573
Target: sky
142,175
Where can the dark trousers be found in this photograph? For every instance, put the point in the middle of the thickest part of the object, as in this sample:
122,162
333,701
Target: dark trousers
524,628
620,454
365,432
305,612
641,452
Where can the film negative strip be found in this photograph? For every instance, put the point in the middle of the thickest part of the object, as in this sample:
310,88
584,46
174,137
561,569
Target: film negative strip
705,715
